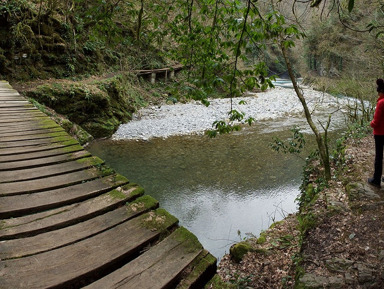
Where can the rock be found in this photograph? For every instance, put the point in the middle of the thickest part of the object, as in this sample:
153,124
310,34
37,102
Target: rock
381,255
310,280
348,278
338,264
365,274
238,251
359,191
335,282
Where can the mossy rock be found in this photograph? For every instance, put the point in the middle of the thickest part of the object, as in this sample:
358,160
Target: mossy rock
262,238
101,128
99,108
239,250
359,191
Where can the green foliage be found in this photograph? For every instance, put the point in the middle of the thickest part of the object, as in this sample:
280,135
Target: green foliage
294,145
217,283
223,127
242,282
310,189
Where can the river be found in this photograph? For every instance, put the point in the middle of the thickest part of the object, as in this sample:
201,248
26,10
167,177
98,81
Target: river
222,189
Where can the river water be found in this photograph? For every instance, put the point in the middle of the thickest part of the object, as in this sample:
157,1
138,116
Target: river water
222,189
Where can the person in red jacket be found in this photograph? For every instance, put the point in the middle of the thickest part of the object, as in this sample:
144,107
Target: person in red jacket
378,132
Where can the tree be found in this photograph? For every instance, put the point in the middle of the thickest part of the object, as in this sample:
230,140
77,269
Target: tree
221,32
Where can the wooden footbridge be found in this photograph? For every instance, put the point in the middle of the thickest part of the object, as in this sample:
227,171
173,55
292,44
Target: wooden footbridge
69,221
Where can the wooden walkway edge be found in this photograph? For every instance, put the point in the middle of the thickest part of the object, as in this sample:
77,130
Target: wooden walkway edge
69,221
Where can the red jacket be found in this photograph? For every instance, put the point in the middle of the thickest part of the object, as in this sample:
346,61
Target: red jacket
378,119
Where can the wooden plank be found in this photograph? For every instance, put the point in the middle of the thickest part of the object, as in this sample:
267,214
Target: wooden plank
37,147
29,133
6,122
20,121
160,267
75,264
40,123
9,96
15,117
15,104
199,272
21,113
37,162
26,143
18,109
24,108
31,225
16,206
22,129
44,242
49,170
40,154
48,183
33,136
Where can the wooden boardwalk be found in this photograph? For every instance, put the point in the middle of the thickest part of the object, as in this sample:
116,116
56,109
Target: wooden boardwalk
69,221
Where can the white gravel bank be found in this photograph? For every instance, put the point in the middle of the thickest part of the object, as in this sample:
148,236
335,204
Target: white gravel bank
195,118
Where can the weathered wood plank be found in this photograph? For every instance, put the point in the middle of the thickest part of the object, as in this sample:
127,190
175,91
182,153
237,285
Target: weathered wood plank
164,263
54,219
37,147
202,269
6,122
41,122
21,114
35,136
48,140
18,108
15,104
76,264
44,242
49,170
18,102
40,154
17,121
9,96
27,126
48,183
16,206
30,134
24,164
21,129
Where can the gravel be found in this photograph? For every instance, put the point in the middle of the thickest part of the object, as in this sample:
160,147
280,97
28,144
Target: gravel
195,118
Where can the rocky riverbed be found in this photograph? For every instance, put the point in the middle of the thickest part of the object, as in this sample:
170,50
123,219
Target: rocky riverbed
195,118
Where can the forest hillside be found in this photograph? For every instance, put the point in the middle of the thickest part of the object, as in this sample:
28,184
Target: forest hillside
225,47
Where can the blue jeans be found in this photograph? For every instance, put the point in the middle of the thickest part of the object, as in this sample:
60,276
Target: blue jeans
379,145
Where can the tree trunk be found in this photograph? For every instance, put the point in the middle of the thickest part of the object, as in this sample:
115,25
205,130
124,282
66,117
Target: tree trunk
321,144
140,20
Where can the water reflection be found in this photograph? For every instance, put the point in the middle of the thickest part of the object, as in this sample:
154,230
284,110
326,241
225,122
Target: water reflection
216,187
